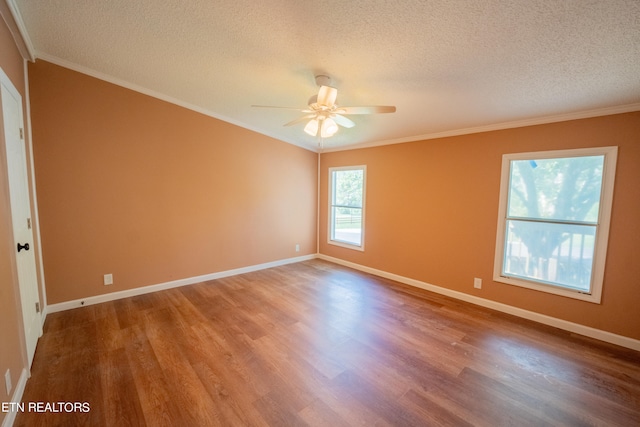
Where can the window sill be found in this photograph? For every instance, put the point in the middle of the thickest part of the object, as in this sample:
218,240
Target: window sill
594,297
346,245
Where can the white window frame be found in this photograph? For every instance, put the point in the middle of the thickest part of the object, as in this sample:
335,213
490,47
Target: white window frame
330,228
602,227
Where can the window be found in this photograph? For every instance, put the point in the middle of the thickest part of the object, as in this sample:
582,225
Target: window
553,222
346,211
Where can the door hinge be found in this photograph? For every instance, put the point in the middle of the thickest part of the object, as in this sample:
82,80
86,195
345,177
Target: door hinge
37,307
21,133
29,223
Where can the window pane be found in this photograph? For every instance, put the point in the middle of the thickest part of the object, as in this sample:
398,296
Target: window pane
347,225
566,189
348,188
559,254
347,206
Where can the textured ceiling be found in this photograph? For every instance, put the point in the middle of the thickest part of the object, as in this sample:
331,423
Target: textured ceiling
447,65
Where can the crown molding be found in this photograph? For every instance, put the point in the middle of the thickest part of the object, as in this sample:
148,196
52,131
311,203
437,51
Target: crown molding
619,109
158,95
15,23
607,111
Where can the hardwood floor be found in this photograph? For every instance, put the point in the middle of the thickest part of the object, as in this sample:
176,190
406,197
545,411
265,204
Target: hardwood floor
317,344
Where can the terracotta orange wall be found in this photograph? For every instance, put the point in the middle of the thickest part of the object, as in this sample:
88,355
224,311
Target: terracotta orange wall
11,335
152,192
432,206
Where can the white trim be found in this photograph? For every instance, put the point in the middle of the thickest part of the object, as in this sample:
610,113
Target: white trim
4,79
161,96
68,305
6,82
34,199
19,31
515,311
318,206
504,308
598,112
606,111
602,236
45,311
10,416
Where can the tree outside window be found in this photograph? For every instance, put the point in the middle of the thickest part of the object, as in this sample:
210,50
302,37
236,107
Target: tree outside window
551,229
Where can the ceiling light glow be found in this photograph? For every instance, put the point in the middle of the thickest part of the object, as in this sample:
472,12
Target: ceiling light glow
329,128
312,127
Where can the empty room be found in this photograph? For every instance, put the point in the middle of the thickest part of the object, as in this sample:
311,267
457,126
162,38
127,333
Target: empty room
390,213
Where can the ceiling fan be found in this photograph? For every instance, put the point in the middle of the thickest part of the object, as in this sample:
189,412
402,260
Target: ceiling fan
323,115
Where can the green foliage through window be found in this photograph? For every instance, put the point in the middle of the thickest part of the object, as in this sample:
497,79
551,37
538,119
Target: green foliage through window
551,226
347,205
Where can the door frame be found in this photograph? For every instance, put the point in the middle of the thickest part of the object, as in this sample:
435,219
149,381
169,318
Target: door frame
31,173
35,231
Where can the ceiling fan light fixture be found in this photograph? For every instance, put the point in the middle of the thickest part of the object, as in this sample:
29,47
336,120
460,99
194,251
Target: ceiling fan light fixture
329,128
312,127
323,114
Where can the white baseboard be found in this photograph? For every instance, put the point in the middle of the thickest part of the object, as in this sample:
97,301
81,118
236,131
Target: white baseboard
68,305
10,416
519,312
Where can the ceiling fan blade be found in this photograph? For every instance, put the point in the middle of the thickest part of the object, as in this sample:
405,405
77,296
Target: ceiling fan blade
327,96
300,119
343,121
371,109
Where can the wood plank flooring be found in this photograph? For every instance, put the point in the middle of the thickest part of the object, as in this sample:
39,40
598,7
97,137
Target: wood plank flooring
318,344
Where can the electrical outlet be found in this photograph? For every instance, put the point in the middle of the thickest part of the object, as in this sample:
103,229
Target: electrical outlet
297,248
7,382
477,283
108,279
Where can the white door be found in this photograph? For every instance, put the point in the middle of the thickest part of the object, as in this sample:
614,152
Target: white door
21,213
